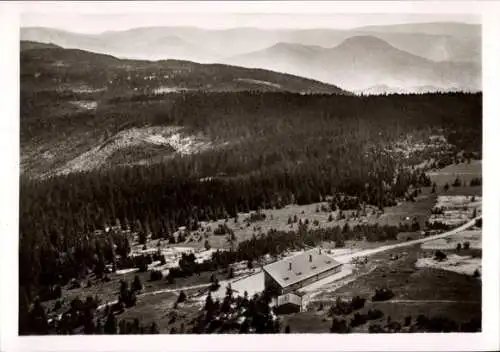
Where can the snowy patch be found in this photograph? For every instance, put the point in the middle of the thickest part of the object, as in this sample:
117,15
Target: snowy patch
163,90
259,82
135,137
126,271
60,63
86,89
187,144
85,104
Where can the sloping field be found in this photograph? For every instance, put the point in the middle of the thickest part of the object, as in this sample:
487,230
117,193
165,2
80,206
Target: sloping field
278,219
456,209
450,243
464,172
459,264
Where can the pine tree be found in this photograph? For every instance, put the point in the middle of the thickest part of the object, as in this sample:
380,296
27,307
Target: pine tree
124,292
136,284
154,328
38,319
182,297
110,325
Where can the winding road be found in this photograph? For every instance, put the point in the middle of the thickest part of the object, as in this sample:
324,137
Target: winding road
345,258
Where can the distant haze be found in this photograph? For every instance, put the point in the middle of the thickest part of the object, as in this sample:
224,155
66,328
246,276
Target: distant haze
98,23
358,52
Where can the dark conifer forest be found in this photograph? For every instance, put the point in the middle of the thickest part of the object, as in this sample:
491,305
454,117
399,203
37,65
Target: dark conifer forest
279,148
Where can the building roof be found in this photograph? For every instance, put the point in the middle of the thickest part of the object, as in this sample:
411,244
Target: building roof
303,266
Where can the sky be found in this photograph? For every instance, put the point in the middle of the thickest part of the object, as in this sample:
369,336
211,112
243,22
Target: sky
96,19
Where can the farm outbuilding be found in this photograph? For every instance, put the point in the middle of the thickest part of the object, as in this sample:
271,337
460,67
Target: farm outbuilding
290,274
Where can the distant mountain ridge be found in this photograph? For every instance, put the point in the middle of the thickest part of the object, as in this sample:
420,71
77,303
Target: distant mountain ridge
46,66
432,28
361,62
435,41
445,55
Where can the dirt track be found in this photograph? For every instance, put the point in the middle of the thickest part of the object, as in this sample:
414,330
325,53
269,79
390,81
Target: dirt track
348,257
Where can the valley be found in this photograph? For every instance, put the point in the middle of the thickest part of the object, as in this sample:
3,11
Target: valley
441,56
157,196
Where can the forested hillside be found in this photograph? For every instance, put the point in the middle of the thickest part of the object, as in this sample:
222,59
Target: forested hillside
46,66
282,148
74,100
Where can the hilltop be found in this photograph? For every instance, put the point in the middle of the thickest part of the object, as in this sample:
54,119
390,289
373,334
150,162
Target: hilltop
456,42
73,101
48,65
363,61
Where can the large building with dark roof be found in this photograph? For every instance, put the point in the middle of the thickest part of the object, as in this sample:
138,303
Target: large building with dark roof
291,274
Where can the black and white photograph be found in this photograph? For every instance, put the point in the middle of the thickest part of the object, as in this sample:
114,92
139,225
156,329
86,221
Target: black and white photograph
250,173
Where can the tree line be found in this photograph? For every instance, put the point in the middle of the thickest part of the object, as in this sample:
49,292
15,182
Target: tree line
283,148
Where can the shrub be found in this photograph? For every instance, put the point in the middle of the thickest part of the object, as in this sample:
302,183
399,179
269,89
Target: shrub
155,275
339,326
374,314
182,297
57,305
375,329
382,294
143,266
394,326
440,324
214,286
422,320
440,256
407,321
359,319
358,302
341,307
479,223
110,325
170,278
154,328
136,284
258,216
